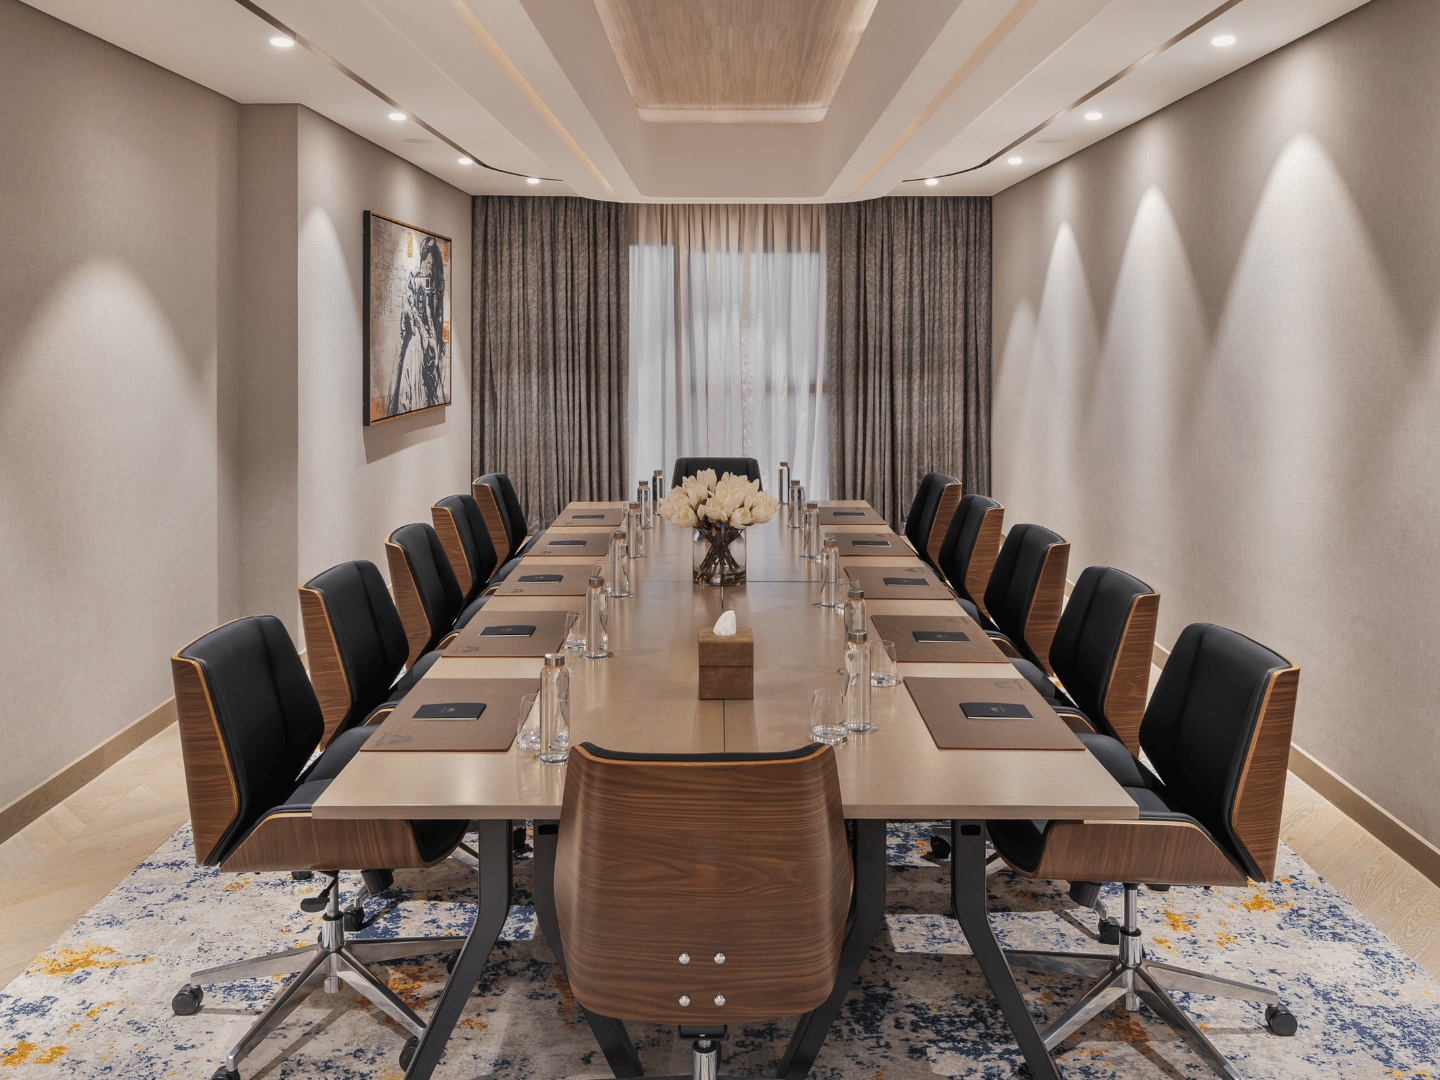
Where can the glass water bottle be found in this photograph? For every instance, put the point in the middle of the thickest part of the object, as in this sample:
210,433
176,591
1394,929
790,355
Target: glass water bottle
658,490
857,685
812,531
784,485
855,613
633,545
647,506
796,517
554,711
619,565
830,574
595,620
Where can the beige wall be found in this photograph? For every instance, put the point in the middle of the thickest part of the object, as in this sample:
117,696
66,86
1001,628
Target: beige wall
180,375
1217,366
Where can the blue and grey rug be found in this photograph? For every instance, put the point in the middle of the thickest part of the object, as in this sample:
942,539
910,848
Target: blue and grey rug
97,1004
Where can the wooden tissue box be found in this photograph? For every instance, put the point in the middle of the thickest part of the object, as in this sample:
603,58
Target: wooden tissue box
727,665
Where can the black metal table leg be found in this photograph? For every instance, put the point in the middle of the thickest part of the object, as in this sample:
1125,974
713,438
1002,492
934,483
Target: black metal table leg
610,1033
967,892
868,910
493,845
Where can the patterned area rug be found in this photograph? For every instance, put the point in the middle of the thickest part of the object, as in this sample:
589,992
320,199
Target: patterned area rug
98,1003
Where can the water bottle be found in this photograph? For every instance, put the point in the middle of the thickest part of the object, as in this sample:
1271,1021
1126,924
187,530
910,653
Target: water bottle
857,685
554,711
784,484
812,531
619,565
595,641
633,546
829,574
797,505
855,613
658,489
647,506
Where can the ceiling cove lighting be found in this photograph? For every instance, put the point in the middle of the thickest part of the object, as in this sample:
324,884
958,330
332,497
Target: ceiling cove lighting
532,179
1224,41
1093,116
280,41
467,161
931,182
1015,161
397,116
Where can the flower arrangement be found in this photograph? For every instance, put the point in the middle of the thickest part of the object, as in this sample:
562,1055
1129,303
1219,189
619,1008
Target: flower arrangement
719,511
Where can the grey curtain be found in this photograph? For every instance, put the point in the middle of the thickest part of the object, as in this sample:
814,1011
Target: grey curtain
908,299
550,348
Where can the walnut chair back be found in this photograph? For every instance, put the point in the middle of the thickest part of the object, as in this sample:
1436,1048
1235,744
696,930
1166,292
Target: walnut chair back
1027,589
747,467
463,535
1103,648
702,888
426,592
971,545
501,510
936,500
355,642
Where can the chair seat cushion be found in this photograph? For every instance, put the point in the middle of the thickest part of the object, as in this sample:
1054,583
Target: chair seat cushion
465,616
1037,678
504,571
970,609
1022,842
406,682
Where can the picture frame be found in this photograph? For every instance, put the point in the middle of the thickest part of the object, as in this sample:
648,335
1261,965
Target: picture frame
408,286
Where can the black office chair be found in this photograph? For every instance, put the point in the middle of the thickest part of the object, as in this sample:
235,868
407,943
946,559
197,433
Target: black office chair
970,547
1101,653
504,518
1217,732
356,645
1025,593
461,528
747,467
700,890
249,722
426,593
930,513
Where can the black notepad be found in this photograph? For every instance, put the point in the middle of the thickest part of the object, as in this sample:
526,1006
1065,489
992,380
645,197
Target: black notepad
848,513
508,630
939,635
577,517
542,577
871,543
566,543
995,710
906,580
450,710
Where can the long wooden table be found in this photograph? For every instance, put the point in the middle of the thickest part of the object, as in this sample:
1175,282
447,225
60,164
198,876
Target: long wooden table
645,699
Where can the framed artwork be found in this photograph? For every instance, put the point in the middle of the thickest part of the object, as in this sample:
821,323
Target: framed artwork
407,319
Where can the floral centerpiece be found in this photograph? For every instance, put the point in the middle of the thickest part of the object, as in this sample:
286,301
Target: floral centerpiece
719,511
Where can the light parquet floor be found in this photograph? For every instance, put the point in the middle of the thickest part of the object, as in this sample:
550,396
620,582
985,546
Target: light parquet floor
56,868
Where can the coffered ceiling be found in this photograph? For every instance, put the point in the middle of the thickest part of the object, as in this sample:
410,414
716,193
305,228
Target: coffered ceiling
713,100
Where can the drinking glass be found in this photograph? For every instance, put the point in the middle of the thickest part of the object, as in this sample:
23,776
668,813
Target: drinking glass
574,637
827,718
882,664
527,732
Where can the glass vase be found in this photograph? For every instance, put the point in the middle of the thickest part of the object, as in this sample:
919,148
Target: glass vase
718,554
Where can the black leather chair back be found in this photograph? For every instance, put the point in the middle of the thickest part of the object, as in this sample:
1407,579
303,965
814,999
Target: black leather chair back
466,541
355,642
929,518
971,546
1217,733
512,516
426,592
1103,647
747,467
1027,589
247,677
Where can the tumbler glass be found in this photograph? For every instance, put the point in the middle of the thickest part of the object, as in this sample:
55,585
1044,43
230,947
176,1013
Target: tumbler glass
882,664
527,731
827,718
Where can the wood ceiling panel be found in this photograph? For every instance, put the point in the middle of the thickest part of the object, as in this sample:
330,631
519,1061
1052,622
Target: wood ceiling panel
734,61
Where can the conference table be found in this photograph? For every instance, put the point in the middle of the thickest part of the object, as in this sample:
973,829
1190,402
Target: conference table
645,698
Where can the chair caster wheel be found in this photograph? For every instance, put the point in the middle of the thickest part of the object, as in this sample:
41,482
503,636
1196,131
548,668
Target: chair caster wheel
222,1073
1281,1020
301,875
407,1052
354,921
186,1001
939,847
450,964
1109,932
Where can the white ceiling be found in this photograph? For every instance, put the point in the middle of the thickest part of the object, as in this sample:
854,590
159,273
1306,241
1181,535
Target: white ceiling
532,87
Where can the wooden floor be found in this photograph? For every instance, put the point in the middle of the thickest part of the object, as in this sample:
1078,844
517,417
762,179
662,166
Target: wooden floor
55,869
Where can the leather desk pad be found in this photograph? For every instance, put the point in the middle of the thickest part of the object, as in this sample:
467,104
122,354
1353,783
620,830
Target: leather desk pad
589,517
570,542
900,629
574,580
849,515
549,635
872,580
494,731
939,703
878,543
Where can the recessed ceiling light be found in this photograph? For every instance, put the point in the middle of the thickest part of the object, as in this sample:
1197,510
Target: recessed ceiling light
931,181
1015,161
280,41
1093,116
397,116
1224,41
466,161
532,179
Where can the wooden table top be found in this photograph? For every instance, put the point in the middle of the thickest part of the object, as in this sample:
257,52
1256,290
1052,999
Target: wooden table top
644,699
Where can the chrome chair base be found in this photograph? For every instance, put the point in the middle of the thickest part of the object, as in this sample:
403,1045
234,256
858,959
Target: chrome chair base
1133,977
325,964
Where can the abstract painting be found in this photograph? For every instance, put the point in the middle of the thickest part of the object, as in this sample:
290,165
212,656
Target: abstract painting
407,319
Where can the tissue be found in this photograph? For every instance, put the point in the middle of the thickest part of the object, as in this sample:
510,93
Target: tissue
725,625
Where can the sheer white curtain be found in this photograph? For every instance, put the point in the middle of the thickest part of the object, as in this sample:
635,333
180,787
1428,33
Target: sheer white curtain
727,339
